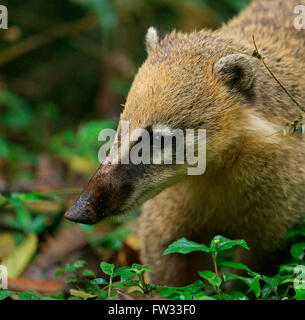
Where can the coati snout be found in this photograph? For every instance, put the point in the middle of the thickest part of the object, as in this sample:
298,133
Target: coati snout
106,194
118,188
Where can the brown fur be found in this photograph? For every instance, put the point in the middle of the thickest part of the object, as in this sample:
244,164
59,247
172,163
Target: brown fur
253,188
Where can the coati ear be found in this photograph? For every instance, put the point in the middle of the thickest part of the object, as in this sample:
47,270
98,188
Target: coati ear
152,39
235,70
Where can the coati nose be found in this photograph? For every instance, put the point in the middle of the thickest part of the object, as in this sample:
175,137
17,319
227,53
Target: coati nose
82,211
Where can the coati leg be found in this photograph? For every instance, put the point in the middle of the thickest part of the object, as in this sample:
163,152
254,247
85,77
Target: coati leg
159,227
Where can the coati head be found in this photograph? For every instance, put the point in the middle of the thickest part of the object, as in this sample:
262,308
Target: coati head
185,83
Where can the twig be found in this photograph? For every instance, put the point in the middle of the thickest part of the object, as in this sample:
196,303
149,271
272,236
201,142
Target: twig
257,55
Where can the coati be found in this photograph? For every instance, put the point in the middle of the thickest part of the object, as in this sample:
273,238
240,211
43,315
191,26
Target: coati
253,187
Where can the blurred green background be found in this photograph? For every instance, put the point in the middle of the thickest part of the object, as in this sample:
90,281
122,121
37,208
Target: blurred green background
65,68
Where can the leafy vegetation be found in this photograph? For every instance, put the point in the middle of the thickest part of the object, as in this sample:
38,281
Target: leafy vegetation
287,284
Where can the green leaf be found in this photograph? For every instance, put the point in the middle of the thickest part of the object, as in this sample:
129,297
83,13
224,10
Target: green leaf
5,294
136,266
23,216
69,268
37,225
185,246
273,282
99,281
299,230
204,297
88,273
120,270
59,272
71,280
125,284
297,250
235,265
253,283
288,268
173,294
300,294
234,295
195,289
14,223
107,268
73,267
140,267
124,273
28,295
211,278
266,292
55,296
220,243
288,280
79,264
185,296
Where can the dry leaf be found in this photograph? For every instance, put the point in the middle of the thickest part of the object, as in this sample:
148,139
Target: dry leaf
7,244
41,286
17,261
81,294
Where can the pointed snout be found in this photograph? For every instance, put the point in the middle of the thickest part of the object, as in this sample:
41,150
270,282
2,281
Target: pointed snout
82,211
106,194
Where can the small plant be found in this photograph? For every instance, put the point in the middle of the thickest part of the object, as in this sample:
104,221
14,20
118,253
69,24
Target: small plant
104,288
215,280
26,219
287,284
